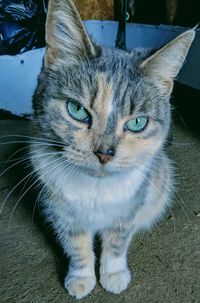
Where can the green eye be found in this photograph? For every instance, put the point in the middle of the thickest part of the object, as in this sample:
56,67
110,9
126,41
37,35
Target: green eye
78,112
137,124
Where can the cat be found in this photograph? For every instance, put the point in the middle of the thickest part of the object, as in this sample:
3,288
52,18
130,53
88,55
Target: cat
104,116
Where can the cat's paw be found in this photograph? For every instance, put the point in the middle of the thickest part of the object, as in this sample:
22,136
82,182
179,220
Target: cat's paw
79,287
116,282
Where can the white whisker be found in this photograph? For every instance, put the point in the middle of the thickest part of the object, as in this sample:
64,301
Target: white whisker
28,159
35,182
32,137
49,180
177,196
32,142
31,173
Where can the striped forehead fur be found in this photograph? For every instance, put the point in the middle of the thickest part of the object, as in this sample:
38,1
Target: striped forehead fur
103,102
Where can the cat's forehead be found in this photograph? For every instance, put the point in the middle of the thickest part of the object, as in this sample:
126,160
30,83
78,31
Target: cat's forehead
111,82
114,68
118,76
123,61
114,63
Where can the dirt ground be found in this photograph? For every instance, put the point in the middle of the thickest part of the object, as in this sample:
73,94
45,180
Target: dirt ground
165,264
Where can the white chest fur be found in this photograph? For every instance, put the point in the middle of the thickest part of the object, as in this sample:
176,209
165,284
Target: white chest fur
94,201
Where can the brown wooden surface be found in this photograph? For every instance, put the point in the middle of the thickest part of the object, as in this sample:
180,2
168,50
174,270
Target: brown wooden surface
176,12
95,9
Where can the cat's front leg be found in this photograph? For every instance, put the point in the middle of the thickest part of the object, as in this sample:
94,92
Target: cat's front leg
80,279
114,272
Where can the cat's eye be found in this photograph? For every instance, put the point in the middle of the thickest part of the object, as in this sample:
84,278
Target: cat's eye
78,112
136,125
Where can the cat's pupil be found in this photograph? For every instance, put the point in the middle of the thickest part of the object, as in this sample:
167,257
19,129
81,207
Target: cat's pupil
78,108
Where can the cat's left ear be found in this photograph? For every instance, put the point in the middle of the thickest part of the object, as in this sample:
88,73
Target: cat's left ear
66,37
163,66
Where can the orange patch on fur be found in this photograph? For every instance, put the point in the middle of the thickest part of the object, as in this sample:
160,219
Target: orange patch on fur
103,101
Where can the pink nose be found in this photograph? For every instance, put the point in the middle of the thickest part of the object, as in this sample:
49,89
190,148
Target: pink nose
104,156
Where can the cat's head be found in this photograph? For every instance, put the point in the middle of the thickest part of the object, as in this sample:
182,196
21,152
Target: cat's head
110,108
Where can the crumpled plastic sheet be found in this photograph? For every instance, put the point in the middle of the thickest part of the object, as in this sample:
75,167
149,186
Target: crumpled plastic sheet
22,25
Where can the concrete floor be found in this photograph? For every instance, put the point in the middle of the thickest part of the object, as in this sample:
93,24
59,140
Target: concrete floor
165,263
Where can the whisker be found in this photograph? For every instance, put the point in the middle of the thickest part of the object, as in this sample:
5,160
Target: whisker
32,142
177,196
31,173
44,186
36,156
157,189
28,156
35,182
13,165
181,144
28,159
32,137
24,193
16,152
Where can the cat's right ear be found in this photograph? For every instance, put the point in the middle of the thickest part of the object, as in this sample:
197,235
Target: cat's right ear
66,37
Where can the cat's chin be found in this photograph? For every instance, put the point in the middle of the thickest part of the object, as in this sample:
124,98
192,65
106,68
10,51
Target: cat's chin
99,172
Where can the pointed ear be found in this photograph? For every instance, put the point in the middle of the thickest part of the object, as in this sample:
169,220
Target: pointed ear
164,65
66,36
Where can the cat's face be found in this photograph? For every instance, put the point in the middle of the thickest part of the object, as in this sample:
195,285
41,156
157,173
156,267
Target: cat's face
109,108
105,105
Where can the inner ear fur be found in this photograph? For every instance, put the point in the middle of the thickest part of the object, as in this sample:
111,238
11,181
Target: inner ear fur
66,37
164,65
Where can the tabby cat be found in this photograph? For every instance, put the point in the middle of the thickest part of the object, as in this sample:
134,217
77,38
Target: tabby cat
104,116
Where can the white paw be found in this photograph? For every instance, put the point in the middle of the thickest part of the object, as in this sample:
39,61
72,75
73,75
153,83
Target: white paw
79,287
116,282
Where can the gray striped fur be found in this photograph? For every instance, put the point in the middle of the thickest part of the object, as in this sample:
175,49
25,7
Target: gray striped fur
81,196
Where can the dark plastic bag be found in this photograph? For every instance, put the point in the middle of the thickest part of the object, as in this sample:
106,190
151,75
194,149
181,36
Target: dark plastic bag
22,25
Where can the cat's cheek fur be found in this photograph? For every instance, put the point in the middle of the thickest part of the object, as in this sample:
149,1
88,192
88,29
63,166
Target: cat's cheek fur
137,151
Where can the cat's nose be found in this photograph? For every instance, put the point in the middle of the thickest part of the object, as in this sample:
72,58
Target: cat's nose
105,155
